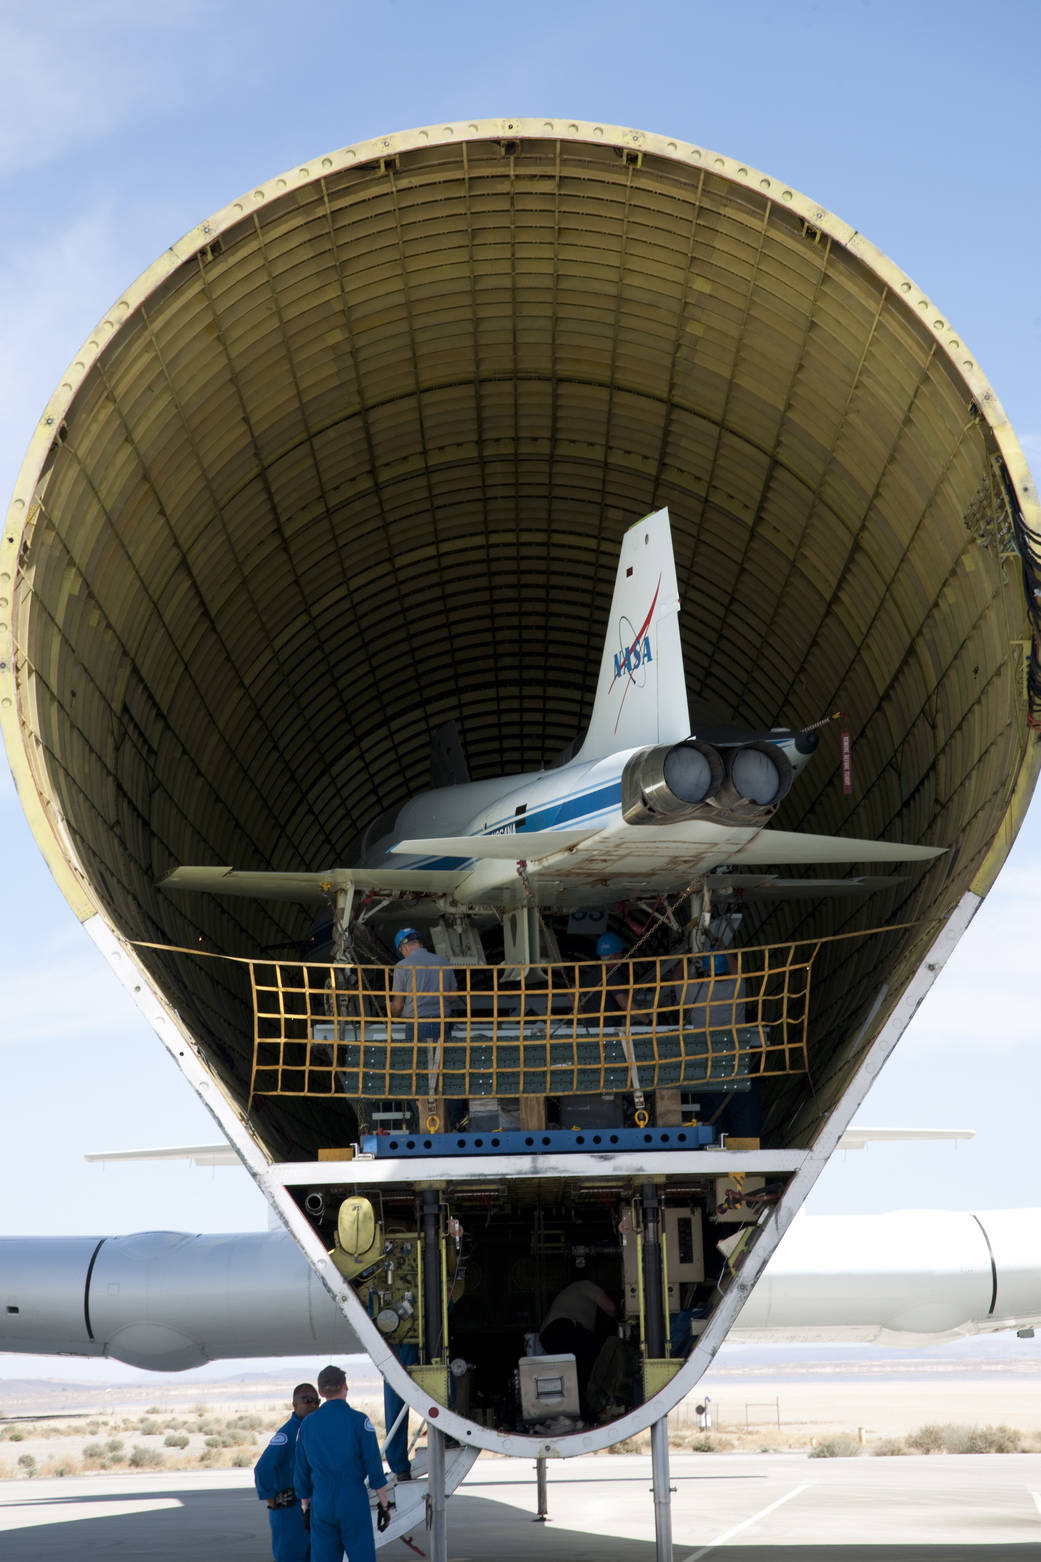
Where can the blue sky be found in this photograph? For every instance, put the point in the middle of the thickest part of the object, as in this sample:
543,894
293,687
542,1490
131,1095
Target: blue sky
121,127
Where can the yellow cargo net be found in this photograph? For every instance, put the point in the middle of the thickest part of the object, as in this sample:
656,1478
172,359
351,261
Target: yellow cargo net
563,1028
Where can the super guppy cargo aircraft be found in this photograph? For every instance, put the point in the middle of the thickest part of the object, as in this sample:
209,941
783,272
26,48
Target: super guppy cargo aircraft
352,466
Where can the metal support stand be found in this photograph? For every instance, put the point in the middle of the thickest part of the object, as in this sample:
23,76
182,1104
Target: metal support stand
662,1490
402,1413
653,1303
432,1320
433,1324
436,1495
542,1487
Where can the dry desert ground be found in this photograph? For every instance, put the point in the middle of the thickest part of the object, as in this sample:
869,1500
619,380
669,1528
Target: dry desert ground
52,1428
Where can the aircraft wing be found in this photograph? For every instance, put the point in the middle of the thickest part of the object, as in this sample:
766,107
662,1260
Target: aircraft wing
521,845
565,868
785,846
312,886
770,886
569,868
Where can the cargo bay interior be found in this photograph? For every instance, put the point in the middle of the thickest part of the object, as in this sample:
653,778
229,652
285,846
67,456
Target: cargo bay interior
461,1281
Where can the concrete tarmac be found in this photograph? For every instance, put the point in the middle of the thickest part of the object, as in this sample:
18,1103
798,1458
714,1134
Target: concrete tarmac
726,1508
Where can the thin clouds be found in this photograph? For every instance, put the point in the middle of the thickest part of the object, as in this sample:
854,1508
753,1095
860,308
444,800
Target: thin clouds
983,1001
63,991
53,290
56,986
76,72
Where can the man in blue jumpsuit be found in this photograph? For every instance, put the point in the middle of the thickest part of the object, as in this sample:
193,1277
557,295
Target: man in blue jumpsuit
393,1404
335,1451
273,1474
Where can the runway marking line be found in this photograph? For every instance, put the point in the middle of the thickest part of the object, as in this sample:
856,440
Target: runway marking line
721,1540
30,1515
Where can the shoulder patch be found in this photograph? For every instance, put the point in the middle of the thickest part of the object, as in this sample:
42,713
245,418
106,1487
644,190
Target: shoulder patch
368,1425
278,1440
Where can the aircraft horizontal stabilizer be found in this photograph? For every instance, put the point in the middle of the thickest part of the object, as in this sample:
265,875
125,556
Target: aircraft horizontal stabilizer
785,846
523,845
856,1138
770,886
199,1154
311,886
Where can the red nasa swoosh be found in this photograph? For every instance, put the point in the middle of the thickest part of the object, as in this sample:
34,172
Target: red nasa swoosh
638,636
644,626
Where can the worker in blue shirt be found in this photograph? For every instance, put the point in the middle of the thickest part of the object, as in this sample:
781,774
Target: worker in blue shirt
273,1474
335,1451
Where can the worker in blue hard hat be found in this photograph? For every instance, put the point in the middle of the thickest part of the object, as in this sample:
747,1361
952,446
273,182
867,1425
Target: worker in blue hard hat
712,997
606,991
423,990
423,982
422,979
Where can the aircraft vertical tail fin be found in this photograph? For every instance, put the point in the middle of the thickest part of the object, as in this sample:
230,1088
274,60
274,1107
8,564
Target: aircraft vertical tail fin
641,695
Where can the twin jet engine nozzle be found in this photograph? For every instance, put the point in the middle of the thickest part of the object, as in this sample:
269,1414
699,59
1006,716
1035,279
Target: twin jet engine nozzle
738,783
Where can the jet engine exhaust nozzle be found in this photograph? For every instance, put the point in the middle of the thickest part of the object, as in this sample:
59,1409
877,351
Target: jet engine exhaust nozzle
667,784
760,773
693,780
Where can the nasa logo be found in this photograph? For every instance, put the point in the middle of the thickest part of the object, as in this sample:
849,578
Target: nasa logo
278,1439
632,657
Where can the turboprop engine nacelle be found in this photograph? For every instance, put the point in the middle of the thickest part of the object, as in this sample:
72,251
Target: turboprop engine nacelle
740,784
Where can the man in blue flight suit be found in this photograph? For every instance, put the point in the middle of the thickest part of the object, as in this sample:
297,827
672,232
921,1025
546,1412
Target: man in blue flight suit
335,1451
273,1474
393,1404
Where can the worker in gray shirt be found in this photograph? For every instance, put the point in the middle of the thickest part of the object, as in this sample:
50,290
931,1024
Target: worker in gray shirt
422,991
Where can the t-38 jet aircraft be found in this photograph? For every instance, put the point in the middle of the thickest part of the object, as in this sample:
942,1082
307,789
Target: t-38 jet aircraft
646,805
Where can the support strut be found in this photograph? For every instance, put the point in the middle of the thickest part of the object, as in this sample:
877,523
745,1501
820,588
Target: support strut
542,1488
662,1490
653,1316
432,1321
434,1347
436,1515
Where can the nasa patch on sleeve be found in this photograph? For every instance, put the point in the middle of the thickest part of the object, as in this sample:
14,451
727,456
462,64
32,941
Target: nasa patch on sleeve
278,1439
368,1425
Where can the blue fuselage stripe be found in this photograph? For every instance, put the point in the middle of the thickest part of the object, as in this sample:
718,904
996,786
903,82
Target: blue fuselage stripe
573,809
565,810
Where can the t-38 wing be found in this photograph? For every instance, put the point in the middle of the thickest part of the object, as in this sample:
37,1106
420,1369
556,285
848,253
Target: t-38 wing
564,868
262,885
622,860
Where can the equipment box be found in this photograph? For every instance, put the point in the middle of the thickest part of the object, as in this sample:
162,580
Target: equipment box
548,1387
